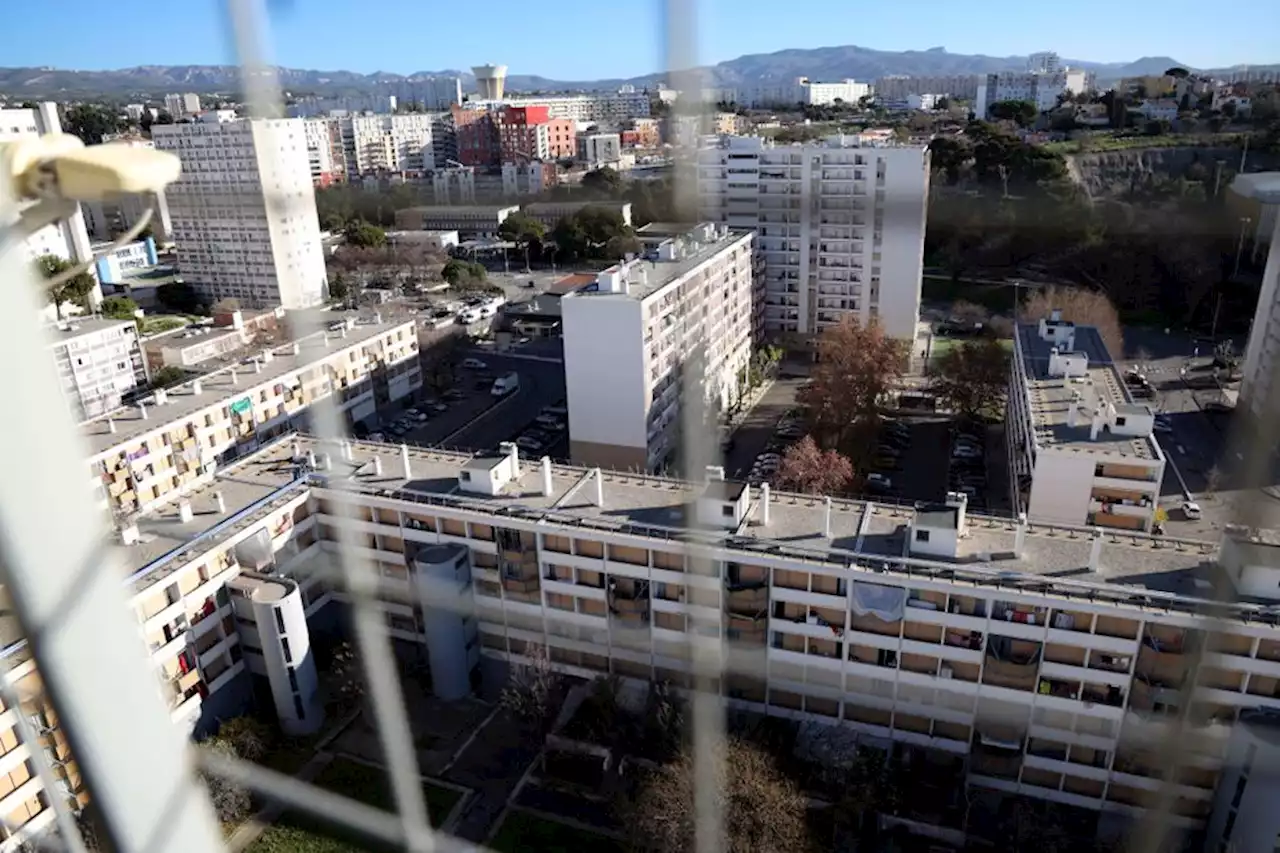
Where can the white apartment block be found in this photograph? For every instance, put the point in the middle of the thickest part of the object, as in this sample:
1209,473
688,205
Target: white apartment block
956,86
1026,659
599,149
846,91
631,338
1041,89
98,362
395,143
605,107
841,225
173,442
68,237
1258,389
1081,451
244,211
1044,62
182,106
800,90
326,154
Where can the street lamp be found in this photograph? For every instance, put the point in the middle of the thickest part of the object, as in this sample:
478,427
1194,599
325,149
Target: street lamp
1245,222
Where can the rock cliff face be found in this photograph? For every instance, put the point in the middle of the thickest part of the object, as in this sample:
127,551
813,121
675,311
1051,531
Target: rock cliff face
1106,172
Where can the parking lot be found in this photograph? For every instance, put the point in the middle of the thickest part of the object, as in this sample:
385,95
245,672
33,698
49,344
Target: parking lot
754,435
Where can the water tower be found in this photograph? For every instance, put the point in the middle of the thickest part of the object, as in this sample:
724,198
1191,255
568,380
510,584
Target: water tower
490,80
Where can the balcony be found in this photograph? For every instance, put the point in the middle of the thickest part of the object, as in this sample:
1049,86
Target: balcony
1011,663
628,601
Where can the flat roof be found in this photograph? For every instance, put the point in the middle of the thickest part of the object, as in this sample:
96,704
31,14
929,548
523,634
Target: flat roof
937,516
456,209
660,273
1052,397
723,490
1133,568
78,327
183,401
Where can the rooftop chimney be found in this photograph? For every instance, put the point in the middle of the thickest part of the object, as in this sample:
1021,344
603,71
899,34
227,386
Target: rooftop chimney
129,534
764,504
715,473
297,449
111,425
185,513
377,466
235,380
1095,553
142,411
1020,537
404,460
257,366
221,501
267,356
296,348
546,476
162,396
599,488
197,387
826,522
311,459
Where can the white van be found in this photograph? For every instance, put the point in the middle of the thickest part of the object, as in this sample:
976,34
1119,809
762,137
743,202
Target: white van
505,384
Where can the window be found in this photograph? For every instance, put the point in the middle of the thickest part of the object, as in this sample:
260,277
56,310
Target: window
727,510
293,680
922,536
279,619
284,648
297,707
464,476
1120,421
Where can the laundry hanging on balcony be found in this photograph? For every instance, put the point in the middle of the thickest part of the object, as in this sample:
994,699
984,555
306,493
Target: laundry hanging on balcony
883,602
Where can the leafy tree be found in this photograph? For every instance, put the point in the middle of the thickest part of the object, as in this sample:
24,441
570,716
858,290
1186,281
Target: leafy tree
808,469
339,290
364,235
178,296
226,306
119,308
333,222
1157,127
588,232
521,229
167,376
460,273
857,365
1177,72
763,810
75,290
973,378
1082,307
1023,113
604,181
90,122
163,117
248,738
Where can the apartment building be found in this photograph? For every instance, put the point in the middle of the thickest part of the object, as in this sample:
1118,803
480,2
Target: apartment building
847,91
98,361
1081,450
607,107
182,105
599,149
532,133
244,211
549,213
1039,88
840,223
1044,62
1047,661
388,143
480,220
633,338
326,153
143,455
68,237
109,217
956,86
1258,388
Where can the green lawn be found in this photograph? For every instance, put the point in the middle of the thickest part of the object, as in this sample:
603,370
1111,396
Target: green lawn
522,832
297,833
156,325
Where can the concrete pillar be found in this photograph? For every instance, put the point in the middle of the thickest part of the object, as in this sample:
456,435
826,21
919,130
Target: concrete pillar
826,525
1020,537
546,476
599,488
197,387
142,411
311,459
1095,553
111,425
377,466
764,504
185,513
404,461
221,501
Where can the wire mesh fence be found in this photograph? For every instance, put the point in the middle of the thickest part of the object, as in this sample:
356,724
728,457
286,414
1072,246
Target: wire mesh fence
74,617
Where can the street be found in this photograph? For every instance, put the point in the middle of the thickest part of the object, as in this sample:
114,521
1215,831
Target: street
752,435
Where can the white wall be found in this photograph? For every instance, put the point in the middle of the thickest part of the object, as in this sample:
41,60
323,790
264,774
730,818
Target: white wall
1061,485
604,362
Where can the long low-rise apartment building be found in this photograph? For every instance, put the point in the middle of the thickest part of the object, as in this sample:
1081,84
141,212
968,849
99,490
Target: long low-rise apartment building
1049,661
1081,450
143,455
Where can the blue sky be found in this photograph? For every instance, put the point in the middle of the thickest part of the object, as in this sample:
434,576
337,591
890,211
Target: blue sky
586,39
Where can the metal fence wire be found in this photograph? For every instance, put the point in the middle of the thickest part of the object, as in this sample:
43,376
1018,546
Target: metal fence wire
96,678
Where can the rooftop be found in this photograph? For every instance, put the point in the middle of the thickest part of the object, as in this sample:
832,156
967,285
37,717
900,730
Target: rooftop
454,210
668,262
865,537
183,401
1098,383
80,327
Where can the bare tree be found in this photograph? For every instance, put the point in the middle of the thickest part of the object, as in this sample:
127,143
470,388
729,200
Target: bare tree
807,468
856,367
1213,479
763,810
531,689
969,313
1082,307
231,803
248,738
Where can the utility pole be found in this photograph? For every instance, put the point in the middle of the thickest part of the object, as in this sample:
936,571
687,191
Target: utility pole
1245,221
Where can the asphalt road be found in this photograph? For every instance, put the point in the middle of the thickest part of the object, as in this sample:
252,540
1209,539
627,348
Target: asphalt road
752,435
541,384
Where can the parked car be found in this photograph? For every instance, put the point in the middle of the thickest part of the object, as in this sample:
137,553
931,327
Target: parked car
549,421
454,394
1191,510
473,364
377,436
879,482
557,409
528,442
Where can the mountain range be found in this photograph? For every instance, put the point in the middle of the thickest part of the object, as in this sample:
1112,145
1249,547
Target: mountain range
826,63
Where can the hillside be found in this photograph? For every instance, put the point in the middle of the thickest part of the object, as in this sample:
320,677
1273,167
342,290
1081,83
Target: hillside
826,63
